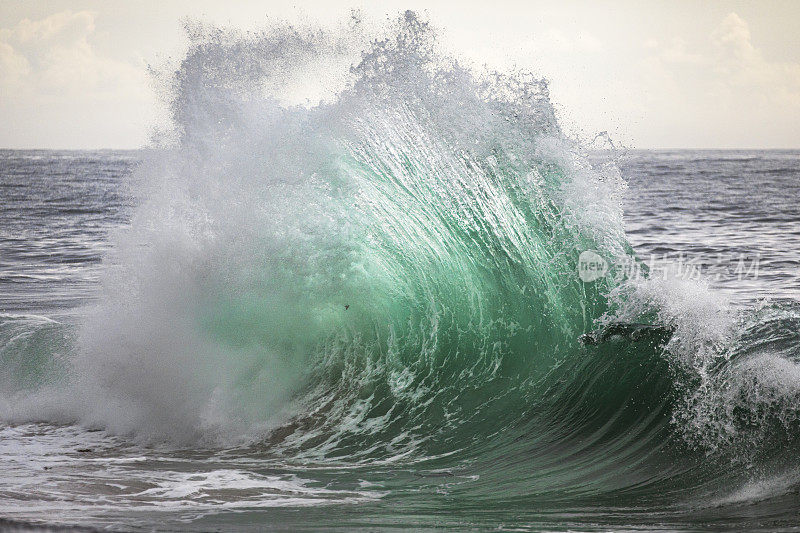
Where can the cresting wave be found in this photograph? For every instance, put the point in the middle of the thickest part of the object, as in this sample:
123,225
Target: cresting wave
390,276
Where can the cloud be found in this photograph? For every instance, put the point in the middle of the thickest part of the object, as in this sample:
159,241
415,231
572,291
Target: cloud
13,66
740,64
729,67
732,37
731,93
56,86
54,56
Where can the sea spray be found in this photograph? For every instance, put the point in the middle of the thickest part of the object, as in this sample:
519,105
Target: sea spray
397,255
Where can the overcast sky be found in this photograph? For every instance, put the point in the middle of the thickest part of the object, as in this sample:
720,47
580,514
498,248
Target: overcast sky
673,74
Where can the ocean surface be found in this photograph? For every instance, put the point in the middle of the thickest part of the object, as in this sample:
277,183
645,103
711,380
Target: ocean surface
367,315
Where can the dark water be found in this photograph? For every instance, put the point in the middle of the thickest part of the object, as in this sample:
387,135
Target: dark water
717,209
58,208
613,446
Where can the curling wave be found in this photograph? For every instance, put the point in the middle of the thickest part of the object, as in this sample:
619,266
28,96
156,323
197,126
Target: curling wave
390,275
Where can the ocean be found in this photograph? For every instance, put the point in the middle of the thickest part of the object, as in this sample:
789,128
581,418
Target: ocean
372,314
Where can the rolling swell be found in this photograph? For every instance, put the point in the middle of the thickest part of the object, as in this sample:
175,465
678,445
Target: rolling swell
389,277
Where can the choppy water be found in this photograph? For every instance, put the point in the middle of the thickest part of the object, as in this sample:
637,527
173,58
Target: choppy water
365,314
717,209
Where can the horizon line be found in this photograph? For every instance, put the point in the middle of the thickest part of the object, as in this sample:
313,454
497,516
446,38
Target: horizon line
622,148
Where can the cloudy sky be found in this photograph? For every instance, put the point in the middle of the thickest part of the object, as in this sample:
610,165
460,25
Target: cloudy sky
672,74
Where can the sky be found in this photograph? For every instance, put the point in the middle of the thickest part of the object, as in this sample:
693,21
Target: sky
672,74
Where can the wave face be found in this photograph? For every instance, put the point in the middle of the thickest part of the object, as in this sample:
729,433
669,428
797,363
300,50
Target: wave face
389,276
383,271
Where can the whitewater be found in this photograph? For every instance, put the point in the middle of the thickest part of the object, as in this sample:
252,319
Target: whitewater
365,311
